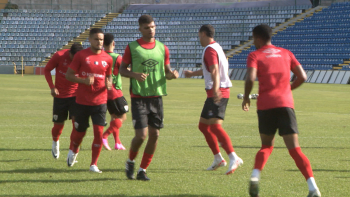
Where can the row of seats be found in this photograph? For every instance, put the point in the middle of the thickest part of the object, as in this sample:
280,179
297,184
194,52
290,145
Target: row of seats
50,11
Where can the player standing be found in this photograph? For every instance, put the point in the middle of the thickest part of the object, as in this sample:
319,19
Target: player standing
150,67
272,66
116,103
94,68
217,85
63,92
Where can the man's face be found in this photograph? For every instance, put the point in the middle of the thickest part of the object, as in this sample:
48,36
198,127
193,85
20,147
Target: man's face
256,42
96,41
148,30
201,38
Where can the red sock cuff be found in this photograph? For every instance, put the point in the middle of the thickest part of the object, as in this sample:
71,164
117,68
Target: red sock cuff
116,123
132,155
267,147
202,125
146,160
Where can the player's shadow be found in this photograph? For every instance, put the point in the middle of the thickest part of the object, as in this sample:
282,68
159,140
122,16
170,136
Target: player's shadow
28,149
119,195
280,147
53,170
321,170
16,160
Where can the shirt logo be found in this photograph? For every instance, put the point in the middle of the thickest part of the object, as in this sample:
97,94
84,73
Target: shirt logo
87,60
96,63
272,52
83,73
65,62
149,65
104,63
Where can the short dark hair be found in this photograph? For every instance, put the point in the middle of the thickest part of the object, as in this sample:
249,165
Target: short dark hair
75,48
263,31
208,29
95,31
108,39
145,19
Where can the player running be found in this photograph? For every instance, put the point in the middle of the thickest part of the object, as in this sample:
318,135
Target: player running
217,85
272,66
94,68
116,103
63,92
150,68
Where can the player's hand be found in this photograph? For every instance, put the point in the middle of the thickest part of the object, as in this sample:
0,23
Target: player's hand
109,85
217,96
89,80
140,77
246,104
188,73
54,92
172,75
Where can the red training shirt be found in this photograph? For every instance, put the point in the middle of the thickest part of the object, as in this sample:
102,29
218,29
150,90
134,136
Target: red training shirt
60,60
211,58
114,93
273,66
146,45
86,63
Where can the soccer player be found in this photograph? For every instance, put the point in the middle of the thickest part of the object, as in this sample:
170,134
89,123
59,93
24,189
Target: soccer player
150,68
63,92
116,103
93,66
217,85
272,66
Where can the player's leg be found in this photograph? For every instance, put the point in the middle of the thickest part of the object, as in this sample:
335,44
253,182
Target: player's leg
155,123
210,137
289,132
140,123
81,123
60,114
119,117
111,107
267,128
98,116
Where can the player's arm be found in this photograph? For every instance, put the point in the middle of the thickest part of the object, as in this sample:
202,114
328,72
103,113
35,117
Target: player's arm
70,76
215,77
52,64
125,72
108,78
249,81
169,74
189,73
300,76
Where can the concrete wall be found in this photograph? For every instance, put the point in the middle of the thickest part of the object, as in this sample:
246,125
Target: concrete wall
7,69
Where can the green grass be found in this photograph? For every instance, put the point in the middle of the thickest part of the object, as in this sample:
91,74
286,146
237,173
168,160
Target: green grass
178,167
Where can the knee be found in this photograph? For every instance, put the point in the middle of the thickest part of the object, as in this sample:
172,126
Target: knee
140,137
204,128
154,135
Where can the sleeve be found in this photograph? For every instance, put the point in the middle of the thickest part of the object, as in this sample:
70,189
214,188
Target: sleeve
75,64
109,69
167,56
117,65
127,55
293,61
210,57
252,61
52,64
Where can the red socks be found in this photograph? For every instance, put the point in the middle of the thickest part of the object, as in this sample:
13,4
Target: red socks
56,131
96,144
75,140
113,128
146,160
262,156
223,138
209,137
302,162
132,155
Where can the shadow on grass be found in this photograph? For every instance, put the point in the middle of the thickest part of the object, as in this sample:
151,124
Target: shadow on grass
120,195
56,180
17,160
280,147
322,170
54,170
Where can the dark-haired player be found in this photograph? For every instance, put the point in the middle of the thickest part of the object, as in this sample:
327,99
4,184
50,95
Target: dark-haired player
116,103
93,66
63,92
217,85
150,68
272,66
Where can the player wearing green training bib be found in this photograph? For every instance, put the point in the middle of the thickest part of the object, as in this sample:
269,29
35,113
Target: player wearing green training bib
150,68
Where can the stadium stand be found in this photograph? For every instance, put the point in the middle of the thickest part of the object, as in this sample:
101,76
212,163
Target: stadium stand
36,34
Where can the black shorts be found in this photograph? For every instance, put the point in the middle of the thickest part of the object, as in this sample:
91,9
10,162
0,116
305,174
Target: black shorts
61,107
118,106
97,113
147,111
282,119
213,110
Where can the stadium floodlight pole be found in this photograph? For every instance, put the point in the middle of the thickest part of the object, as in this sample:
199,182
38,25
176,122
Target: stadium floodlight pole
14,68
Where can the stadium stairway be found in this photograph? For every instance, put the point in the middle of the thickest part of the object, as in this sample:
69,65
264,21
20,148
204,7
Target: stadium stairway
300,17
84,35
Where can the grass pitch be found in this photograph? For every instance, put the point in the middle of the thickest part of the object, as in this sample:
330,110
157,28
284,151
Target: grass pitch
178,167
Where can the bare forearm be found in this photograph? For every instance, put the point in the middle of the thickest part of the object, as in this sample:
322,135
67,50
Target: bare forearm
74,78
216,80
126,73
296,83
197,73
248,88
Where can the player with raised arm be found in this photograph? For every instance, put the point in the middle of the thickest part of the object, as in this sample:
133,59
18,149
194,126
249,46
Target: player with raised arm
116,103
217,86
150,68
63,92
272,66
93,66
